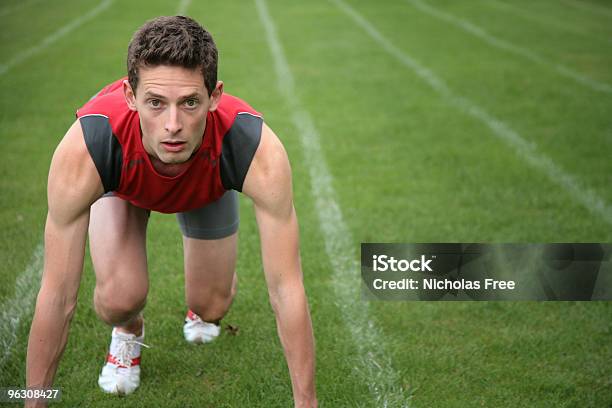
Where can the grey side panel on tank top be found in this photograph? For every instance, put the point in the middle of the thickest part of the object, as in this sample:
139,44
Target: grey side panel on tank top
104,148
239,146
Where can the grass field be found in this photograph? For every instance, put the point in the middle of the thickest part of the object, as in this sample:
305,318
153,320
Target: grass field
433,121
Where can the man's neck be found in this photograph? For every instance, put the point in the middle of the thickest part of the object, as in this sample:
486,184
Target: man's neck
169,170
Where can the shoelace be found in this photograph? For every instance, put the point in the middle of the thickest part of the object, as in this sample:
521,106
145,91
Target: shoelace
125,350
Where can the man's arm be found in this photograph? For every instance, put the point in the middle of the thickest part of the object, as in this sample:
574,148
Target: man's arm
73,186
268,183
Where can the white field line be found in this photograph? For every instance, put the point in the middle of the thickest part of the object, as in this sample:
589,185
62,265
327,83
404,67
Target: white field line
20,305
507,46
28,282
182,8
590,7
50,39
16,7
542,20
374,366
526,150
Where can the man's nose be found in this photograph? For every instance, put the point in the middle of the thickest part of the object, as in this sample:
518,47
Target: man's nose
173,122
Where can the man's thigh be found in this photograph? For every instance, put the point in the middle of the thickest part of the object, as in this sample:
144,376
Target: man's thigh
210,238
117,242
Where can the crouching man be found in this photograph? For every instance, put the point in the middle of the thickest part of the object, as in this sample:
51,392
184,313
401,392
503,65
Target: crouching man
167,139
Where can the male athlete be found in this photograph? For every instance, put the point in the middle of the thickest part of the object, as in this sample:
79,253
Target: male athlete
166,139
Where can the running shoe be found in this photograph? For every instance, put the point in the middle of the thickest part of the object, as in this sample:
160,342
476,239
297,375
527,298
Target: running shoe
198,331
121,373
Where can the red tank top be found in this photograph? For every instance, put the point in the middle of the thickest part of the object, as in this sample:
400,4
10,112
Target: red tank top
113,138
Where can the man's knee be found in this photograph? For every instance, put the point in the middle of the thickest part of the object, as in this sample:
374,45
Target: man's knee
212,306
117,307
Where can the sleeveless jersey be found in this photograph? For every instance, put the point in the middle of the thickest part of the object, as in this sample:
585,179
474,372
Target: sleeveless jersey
113,138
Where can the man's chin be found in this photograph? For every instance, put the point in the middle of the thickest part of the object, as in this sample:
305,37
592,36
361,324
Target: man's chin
170,159
175,161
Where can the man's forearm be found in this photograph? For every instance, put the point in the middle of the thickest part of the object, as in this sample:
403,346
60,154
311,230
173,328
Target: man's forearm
48,336
295,332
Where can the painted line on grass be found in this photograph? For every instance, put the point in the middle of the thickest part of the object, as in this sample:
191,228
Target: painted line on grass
21,304
526,150
28,282
590,7
182,8
479,32
374,366
50,39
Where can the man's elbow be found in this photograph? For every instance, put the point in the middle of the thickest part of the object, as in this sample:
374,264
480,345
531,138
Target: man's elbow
287,297
275,301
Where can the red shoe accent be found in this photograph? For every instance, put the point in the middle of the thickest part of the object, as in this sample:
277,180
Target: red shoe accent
191,315
111,359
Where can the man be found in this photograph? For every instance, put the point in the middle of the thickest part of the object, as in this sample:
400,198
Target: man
166,139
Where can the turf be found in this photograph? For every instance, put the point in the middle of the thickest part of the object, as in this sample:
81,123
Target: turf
407,166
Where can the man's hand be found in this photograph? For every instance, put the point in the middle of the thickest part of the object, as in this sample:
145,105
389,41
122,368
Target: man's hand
268,183
73,186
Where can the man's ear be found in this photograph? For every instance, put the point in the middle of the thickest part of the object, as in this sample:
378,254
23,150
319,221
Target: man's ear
130,96
215,97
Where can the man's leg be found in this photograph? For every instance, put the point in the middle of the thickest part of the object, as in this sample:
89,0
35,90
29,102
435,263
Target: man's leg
210,238
117,241
210,276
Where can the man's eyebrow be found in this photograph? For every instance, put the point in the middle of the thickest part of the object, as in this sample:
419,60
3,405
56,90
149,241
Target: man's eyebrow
194,95
154,95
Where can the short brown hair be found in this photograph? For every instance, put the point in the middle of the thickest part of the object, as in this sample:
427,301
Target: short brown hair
177,41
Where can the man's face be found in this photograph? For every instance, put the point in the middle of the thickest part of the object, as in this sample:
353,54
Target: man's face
172,103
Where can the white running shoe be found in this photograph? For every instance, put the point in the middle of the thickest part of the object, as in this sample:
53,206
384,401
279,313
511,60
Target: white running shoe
198,331
121,373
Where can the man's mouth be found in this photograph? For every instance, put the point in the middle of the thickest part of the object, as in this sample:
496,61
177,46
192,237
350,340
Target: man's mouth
174,146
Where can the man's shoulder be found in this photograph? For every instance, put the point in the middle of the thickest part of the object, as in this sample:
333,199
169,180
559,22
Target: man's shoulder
239,127
106,116
109,101
231,106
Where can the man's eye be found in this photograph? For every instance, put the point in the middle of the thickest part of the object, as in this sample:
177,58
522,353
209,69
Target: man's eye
191,103
154,103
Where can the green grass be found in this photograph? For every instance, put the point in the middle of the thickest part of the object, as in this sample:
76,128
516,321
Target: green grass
407,166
